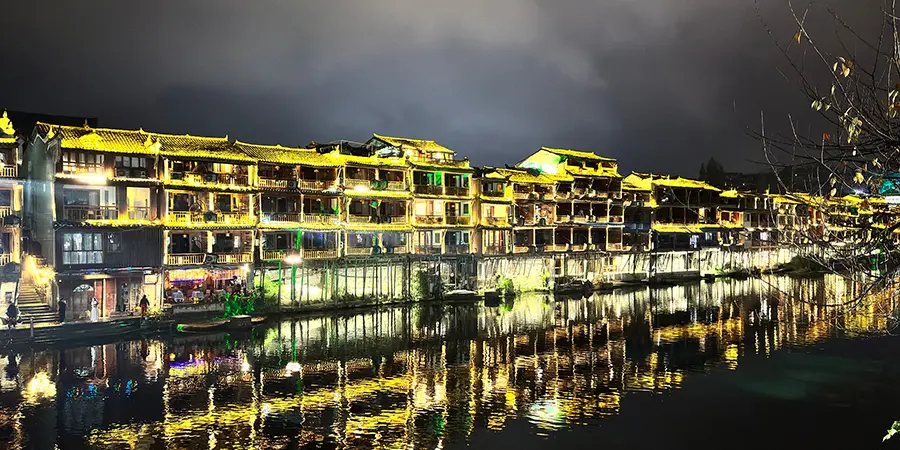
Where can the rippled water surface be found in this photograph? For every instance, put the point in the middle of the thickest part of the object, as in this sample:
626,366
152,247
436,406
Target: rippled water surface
760,363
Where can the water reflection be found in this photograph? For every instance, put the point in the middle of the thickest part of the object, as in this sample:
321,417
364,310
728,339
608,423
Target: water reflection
418,377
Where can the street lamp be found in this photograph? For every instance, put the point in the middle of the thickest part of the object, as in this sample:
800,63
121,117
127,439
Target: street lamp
293,258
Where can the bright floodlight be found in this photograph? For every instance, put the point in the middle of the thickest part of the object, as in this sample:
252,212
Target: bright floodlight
293,259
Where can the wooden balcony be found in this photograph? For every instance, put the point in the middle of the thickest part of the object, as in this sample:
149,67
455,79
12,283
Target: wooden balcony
352,182
460,249
458,191
210,178
496,221
185,259
397,250
564,218
318,218
9,171
358,251
319,254
580,218
493,194
273,183
459,220
558,248
428,189
6,211
520,249
522,195
375,220
273,255
5,258
139,213
617,219
564,195
234,258
282,217
184,217
429,220
315,185
82,213
615,247
579,247
427,250
234,219
494,250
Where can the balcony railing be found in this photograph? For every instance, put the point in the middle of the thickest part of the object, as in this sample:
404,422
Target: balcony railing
494,250
429,220
273,255
579,247
318,218
210,178
358,251
616,219
234,218
428,189
319,254
82,213
579,218
315,184
459,220
563,218
376,220
522,195
350,182
397,250
5,258
496,221
234,258
139,213
9,171
458,191
563,195
459,249
615,247
5,211
428,249
273,183
558,248
184,217
185,259
520,249
290,217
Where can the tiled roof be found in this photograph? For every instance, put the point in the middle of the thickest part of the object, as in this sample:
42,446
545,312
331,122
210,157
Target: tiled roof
277,154
144,143
576,154
421,144
684,183
524,176
599,172
635,182
731,194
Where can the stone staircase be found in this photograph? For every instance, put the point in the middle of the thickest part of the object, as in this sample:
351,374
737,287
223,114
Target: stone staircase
32,306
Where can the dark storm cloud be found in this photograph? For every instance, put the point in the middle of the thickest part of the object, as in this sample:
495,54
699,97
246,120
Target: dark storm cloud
659,84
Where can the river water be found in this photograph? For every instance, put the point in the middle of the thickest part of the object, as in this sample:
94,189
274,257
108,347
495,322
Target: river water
769,363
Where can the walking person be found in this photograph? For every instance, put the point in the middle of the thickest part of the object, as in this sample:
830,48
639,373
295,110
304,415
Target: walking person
95,311
12,315
61,307
145,305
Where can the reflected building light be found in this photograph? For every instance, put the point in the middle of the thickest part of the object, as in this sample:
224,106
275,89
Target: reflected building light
40,387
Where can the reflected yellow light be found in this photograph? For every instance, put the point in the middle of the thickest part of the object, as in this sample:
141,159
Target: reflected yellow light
40,387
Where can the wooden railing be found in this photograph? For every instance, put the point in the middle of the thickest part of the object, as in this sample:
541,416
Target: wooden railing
280,217
397,250
357,251
458,191
233,258
429,220
273,183
522,195
82,213
319,254
520,249
579,218
139,213
376,220
615,247
5,258
9,171
396,186
5,211
350,182
564,218
315,184
234,219
273,255
494,250
616,219
496,221
460,249
459,220
318,218
428,189
564,195
184,259
493,194
579,247
427,249
557,248
184,217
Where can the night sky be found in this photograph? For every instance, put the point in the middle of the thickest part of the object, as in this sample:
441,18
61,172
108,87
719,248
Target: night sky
659,84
